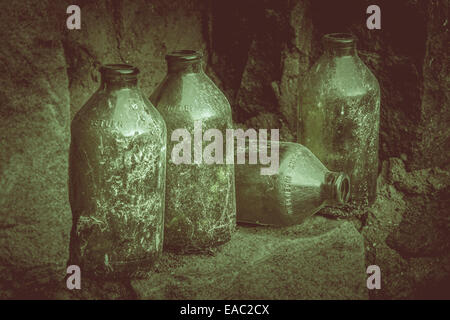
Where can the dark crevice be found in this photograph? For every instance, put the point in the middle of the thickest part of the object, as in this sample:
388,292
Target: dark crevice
115,7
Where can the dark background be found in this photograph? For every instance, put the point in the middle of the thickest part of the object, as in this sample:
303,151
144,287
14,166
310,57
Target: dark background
257,52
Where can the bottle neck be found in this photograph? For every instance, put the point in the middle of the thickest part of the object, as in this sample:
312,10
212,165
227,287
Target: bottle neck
118,83
336,188
118,76
184,61
184,67
339,44
341,51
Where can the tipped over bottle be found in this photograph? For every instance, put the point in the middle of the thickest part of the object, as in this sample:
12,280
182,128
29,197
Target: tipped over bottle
301,187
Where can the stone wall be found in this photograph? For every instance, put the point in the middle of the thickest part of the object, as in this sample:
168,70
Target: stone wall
35,217
47,74
257,52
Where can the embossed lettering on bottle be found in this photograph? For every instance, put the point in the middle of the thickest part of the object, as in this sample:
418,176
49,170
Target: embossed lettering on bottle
300,188
117,175
200,202
338,115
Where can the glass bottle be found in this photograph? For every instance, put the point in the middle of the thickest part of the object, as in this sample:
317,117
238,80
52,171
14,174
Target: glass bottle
338,115
117,178
200,197
300,187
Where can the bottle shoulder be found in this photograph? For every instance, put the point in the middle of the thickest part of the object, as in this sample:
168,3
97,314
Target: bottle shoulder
190,96
127,112
346,76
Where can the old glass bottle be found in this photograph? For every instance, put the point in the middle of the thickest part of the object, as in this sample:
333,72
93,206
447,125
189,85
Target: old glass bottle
200,198
301,187
117,178
338,115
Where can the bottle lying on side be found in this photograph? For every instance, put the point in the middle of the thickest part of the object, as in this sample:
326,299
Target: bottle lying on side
301,187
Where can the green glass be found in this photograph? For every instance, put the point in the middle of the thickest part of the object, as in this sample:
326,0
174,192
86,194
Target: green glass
200,198
117,178
301,187
339,115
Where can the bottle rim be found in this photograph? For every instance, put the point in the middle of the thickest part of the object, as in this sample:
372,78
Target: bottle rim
184,55
342,188
115,70
340,39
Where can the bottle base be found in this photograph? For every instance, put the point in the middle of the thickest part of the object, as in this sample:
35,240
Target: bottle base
138,268
199,247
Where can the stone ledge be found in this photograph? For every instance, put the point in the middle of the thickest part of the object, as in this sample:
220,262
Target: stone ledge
320,259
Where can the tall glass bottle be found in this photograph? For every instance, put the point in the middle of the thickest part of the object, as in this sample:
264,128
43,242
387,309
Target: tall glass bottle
117,178
301,187
200,197
338,115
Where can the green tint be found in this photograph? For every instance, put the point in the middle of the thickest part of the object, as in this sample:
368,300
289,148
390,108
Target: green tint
117,178
301,187
200,198
338,115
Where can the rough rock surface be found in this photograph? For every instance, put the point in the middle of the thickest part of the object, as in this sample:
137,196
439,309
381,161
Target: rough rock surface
261,51
47,73
140,33
35,217
407,232
410,60
321,259
257,52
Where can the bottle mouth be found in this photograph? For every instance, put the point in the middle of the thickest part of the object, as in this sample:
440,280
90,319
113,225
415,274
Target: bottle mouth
339,40
119,70
338,186
342,188
184,55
